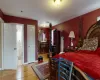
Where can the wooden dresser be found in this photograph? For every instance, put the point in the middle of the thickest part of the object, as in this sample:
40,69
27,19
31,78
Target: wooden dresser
44,47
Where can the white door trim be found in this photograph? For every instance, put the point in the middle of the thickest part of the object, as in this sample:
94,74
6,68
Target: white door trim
1,20
2,33
23,43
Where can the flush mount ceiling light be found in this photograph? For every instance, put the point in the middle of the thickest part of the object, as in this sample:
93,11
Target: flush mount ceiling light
57,2
44,25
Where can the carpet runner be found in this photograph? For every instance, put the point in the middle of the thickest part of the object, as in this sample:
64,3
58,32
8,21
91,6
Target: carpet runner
42,70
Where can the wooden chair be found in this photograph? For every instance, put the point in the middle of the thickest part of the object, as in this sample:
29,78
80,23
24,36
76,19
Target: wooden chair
61,69
64,69
53,69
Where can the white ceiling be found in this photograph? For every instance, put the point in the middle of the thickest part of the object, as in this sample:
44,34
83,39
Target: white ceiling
46,11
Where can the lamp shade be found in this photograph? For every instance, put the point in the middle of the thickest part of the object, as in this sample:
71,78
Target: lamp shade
71,34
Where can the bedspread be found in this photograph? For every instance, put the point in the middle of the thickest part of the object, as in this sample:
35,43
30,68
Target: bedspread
88,62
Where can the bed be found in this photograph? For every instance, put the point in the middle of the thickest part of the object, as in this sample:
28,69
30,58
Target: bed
86,62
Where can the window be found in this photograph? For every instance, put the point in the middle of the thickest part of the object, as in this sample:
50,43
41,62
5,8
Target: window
52,37
44,37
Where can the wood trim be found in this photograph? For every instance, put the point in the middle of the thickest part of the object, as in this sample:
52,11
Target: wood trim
82,73
91,28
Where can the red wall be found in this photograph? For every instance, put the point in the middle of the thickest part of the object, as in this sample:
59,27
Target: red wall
89,19
73,24
13,19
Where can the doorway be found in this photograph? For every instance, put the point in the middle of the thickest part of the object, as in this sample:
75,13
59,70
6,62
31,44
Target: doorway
20,44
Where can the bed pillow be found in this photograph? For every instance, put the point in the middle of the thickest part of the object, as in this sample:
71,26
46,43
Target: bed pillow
90,44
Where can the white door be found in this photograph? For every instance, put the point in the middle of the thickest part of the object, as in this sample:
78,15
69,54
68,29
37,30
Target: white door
31,43
9,46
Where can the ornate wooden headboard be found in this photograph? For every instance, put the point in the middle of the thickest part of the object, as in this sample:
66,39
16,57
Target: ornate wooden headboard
94,31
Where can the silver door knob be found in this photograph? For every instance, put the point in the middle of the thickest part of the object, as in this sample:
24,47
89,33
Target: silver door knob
15,48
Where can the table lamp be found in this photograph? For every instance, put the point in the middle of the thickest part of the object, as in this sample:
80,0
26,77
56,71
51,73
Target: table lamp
72,36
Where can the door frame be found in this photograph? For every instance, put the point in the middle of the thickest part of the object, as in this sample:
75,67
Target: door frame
2,21
22,41
3,41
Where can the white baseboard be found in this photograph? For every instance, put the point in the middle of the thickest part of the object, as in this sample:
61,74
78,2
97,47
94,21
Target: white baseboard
30,62
36,61
25,63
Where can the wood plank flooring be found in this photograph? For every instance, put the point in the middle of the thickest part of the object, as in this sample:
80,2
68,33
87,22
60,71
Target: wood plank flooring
24,72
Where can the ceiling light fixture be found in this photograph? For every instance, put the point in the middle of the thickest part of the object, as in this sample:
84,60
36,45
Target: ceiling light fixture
44,25
57,2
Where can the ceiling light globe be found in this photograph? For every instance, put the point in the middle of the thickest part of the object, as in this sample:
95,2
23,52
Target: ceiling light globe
57,2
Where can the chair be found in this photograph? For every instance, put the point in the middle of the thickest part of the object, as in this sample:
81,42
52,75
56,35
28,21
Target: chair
54,69
64,69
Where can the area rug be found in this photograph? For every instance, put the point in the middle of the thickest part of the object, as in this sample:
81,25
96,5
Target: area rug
42,70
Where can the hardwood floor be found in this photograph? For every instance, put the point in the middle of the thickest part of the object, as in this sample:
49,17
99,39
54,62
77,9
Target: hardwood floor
24,72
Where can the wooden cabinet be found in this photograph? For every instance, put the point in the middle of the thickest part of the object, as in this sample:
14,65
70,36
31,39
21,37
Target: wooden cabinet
44,47
70,49
57,41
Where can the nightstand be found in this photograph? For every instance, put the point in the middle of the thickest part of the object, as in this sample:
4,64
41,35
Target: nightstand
70,49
